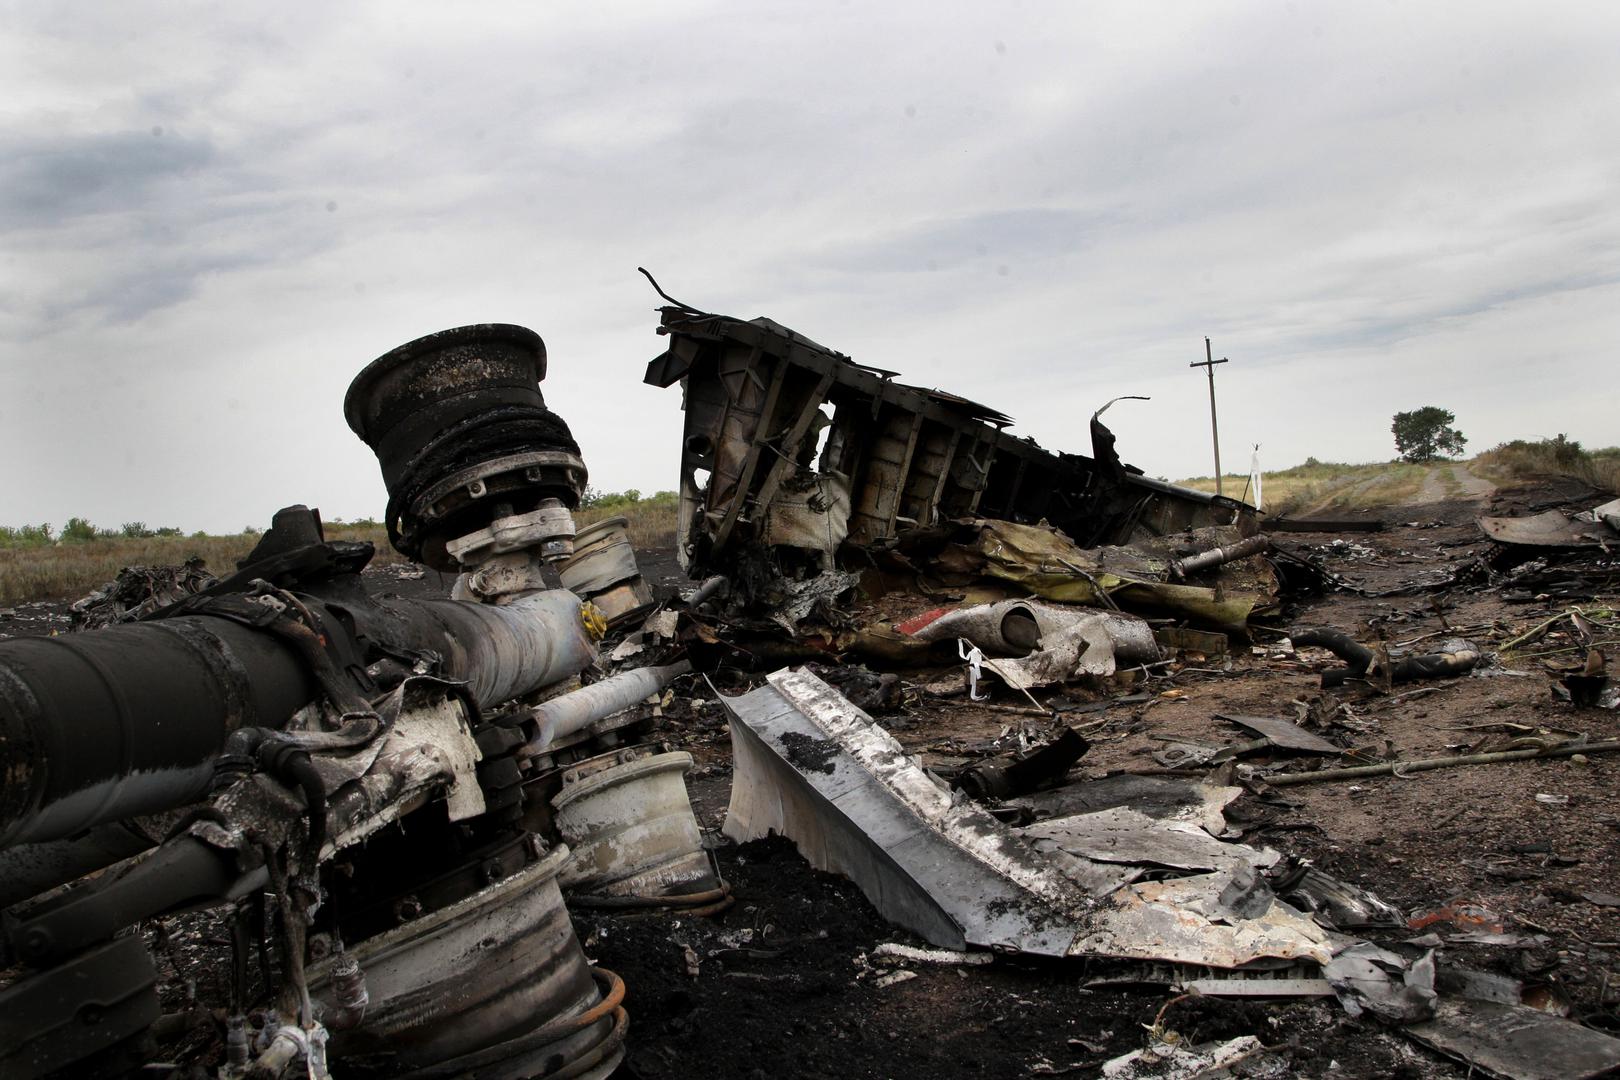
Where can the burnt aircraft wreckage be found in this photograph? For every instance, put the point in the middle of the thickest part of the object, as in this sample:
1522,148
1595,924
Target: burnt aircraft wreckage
362,792
795,448
380,809
338,779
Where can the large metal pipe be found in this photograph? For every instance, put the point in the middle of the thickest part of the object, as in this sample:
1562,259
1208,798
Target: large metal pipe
569,713
502,651
125,721
116,723
29,869
1220,556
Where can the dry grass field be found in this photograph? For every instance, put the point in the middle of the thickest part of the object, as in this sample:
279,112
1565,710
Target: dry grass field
1321,485
42,566
38,564
1318,486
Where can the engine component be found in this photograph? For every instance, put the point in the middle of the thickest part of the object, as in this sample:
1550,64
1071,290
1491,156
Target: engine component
1027,771
310,749
603,570
462,432
86,1012
498,976
561,716
627,818
124,721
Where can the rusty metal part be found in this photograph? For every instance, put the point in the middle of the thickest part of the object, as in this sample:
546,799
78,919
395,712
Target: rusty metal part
349,994
629,823
1220,556
1040,766
463,435
486,973
603,570
757,395
1454,657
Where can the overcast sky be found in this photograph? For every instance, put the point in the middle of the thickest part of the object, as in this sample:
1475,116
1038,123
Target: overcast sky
215,215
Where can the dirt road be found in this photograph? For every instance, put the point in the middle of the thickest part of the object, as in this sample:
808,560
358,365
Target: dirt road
1449,480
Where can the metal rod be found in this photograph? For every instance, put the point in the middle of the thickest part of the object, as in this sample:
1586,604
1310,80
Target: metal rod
570,712
1220,556
1398,768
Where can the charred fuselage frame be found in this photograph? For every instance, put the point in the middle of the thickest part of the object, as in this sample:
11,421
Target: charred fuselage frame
795,448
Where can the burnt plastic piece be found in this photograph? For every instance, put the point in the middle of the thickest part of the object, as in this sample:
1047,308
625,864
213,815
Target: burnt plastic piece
1029,771
461,430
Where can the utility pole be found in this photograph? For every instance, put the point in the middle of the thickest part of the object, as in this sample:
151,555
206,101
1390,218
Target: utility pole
1208,365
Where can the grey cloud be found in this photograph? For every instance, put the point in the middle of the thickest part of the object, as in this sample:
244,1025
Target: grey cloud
45,181
997,237
1326,190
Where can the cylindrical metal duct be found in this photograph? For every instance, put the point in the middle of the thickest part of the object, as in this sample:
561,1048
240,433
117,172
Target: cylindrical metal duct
125,721
503,651
629,823
475,975
603,570
1016,627
568,713
29,869
460,428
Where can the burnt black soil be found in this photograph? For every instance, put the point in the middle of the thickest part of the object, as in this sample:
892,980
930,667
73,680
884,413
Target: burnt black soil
786,986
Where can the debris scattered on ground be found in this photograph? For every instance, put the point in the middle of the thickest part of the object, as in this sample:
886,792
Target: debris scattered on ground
138,591
1037,715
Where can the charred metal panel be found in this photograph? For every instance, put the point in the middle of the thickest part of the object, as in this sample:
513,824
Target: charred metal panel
909,457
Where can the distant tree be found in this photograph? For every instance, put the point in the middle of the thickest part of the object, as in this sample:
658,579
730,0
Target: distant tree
77,530
1426,434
